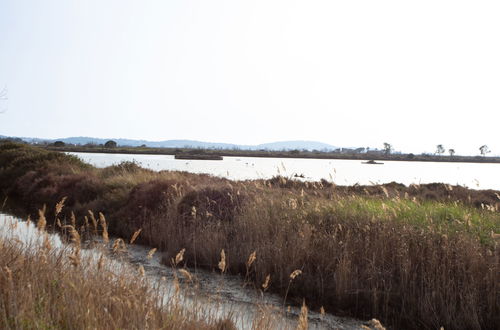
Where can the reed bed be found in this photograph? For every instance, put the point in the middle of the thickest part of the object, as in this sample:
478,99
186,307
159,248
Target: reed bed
419,257
42,287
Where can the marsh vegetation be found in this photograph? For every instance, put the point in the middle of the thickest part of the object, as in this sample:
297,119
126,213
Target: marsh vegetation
415,257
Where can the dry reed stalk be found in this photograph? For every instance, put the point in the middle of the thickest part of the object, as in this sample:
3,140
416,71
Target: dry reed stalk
73,219
151,253
75,257
386,192
295,273
135,235
376,324
104,226
141,270
186,274
74,235
251,259
119,245
86,222
303,323
178,257
94,221
265,285
177,289
59,206
42,222
222,262
100,263
46,243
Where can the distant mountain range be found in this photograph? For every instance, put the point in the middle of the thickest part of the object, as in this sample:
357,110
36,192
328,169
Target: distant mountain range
284,145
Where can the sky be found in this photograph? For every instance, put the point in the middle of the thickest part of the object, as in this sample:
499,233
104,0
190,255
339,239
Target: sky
354,73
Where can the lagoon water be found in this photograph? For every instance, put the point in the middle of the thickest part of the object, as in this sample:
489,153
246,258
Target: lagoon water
340,172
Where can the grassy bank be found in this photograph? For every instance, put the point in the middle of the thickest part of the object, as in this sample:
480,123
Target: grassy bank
415,257
42,287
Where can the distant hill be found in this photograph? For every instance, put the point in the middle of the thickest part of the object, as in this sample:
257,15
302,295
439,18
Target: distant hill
300,145
283,145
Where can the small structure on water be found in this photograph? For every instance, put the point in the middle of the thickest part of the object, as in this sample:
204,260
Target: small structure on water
373,162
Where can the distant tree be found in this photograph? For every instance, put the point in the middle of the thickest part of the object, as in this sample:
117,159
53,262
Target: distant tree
110,144
59,144
387,148
452,152
440,149
484,150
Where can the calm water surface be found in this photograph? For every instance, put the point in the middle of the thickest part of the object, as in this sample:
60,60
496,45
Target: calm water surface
341,172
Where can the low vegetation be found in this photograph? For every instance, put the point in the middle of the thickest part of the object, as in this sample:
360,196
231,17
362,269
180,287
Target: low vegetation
416,257
43,287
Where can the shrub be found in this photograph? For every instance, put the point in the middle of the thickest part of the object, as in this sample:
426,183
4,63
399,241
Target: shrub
211,204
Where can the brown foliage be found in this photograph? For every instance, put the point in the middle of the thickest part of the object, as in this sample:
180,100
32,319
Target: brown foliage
221,204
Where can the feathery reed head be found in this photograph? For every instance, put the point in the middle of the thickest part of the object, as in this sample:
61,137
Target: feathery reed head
222,262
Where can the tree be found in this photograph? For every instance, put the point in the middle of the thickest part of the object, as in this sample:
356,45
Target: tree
110,144
59,144
452,152
387,148
484,150
439,149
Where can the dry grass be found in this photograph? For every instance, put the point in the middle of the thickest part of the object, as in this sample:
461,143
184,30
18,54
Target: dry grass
45,288
417,257
49,285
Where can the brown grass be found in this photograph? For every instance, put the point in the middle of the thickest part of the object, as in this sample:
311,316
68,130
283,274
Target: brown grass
42,288
417,257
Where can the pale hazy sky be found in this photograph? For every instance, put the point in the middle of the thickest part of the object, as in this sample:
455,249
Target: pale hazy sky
349,73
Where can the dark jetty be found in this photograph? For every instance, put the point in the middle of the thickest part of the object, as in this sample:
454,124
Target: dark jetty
199,157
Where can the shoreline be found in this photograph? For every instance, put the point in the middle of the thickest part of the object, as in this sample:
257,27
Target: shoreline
280,154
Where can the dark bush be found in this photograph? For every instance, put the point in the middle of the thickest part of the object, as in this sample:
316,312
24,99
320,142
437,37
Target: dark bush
211,204
123,167
38,187
146,204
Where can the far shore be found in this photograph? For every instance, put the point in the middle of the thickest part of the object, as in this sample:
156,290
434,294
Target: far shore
277,154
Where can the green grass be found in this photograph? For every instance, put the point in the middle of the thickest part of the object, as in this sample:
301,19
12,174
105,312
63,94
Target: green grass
445,218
